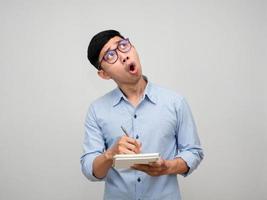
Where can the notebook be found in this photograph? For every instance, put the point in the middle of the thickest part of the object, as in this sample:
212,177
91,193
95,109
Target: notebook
128,160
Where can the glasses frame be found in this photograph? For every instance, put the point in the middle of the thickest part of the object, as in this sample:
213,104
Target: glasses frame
115,50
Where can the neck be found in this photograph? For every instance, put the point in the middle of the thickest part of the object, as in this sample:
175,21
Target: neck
136,91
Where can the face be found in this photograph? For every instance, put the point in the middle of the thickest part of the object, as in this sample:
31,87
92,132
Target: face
126,69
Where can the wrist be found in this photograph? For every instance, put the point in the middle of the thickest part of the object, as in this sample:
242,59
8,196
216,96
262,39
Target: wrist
173,166
108,154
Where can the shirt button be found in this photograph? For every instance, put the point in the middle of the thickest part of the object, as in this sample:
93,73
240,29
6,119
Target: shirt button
137,136
135,116
139,179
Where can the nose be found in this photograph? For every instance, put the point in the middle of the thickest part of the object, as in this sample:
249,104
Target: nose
124,57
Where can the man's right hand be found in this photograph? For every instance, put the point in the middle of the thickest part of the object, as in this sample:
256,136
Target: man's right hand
125,145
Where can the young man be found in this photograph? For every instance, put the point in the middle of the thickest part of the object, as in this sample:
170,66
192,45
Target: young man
157,119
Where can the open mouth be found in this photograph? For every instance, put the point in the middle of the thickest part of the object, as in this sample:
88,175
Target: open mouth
132,67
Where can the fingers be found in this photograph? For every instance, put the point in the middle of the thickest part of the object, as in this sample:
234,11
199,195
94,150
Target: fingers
127,145
153,169
126,151
158,163
132,141
132,147
145,167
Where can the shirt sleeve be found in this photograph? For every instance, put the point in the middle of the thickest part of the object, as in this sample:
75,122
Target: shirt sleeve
93,144
188,143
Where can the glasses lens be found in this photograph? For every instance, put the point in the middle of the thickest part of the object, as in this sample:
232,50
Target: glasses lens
111,56
124,45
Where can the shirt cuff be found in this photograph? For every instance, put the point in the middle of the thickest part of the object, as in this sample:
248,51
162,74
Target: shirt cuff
87,167
191,160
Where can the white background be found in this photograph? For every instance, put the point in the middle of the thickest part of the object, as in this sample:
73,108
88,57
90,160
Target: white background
212,52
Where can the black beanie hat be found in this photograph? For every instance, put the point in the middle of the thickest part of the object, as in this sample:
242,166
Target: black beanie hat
97,43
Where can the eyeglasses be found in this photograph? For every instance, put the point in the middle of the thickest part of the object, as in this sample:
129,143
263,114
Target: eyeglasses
111,56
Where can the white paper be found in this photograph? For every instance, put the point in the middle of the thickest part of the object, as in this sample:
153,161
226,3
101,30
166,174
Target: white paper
128,160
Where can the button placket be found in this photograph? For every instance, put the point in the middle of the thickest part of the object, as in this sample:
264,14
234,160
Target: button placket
134,123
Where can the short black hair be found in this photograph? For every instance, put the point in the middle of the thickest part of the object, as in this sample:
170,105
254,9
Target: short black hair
97,43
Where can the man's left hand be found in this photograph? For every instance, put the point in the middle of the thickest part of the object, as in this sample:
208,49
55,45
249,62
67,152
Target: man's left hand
157,168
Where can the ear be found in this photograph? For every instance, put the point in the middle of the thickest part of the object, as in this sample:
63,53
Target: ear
103,74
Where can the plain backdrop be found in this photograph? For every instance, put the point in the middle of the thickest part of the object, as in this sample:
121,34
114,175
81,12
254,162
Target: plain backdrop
212,52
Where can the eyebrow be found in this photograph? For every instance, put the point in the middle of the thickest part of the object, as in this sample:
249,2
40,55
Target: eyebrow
115,43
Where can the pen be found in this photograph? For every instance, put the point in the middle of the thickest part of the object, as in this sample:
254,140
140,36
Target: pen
124,130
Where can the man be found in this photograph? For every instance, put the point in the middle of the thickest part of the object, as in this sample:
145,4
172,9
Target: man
157,119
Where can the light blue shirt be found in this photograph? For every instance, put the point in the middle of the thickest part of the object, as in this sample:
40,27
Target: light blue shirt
162,122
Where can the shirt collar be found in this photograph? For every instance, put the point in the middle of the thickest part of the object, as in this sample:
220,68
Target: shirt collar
148,93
